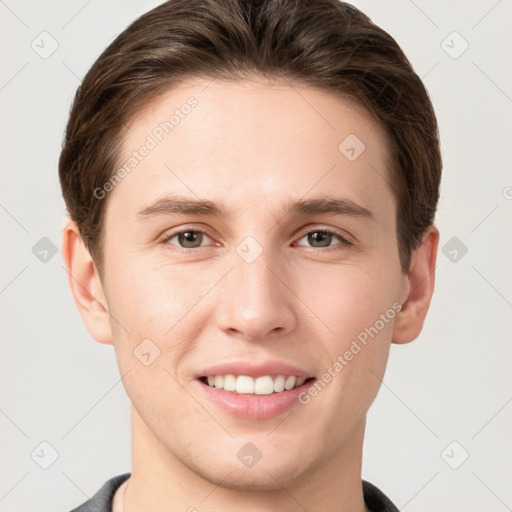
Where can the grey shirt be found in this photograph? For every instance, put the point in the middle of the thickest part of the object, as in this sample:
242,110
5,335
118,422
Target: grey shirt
374,498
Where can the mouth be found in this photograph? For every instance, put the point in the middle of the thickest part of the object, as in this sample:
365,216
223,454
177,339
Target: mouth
257,396
260,385
253,390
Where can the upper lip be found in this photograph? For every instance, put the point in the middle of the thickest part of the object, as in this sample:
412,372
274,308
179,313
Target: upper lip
254,369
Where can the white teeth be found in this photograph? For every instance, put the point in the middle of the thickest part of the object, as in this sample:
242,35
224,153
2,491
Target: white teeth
300,381
289,383
229,382
264,385
244,384
279,383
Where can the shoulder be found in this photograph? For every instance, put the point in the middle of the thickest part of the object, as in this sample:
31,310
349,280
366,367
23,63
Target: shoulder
376,500
102,500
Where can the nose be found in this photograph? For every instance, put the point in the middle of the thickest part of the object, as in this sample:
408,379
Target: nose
256,302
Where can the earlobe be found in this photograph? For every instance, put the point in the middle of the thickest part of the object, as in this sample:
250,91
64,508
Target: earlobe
85,284
421,278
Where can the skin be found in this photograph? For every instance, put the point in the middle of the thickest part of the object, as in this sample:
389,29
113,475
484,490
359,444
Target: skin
253,147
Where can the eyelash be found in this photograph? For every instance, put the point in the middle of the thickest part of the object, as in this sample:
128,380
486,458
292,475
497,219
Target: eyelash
343,239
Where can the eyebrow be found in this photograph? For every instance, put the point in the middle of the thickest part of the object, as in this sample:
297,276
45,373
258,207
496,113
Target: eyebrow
176,204
318,206
331,206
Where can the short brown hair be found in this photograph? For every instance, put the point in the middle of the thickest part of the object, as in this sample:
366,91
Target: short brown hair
325,44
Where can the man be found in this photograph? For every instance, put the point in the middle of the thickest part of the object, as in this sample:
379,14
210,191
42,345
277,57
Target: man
252,188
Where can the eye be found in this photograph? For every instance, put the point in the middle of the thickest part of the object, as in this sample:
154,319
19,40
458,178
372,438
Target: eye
187,239
319,238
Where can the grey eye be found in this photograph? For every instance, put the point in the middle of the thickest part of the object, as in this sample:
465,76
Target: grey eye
319,238
189,239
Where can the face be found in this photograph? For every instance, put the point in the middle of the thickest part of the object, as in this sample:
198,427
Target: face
252,246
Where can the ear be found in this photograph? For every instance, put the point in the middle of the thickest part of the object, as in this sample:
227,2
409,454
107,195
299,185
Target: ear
410,319
85,284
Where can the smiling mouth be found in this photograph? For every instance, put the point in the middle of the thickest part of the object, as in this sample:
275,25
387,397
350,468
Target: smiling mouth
246,385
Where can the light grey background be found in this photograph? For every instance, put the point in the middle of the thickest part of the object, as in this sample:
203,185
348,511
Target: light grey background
452,384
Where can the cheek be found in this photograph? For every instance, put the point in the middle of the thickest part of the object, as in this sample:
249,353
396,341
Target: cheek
153,299
358,306
349,301
151,308
157,313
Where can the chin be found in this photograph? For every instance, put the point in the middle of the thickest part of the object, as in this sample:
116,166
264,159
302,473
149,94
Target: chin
254,480
265,475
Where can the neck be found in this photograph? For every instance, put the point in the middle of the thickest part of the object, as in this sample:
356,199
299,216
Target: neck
160,482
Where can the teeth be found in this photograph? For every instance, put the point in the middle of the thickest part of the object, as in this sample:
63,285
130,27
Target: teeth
289,383
279,383
264,385
300,381
244,384
229,382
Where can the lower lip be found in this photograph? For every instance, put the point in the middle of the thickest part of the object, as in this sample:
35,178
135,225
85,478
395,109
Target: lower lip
254,406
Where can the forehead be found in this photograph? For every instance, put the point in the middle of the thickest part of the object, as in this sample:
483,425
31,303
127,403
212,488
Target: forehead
254,107
250,139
